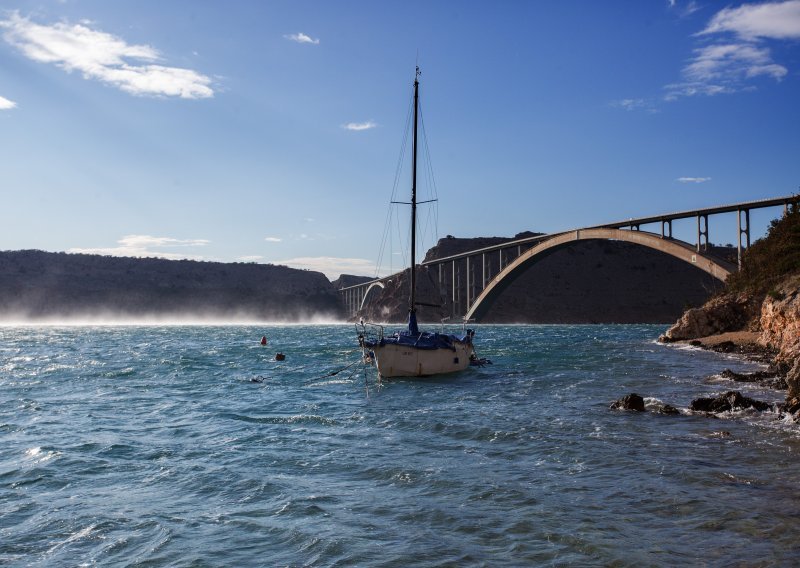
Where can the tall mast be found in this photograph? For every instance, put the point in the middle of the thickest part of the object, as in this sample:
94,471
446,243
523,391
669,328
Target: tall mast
412,308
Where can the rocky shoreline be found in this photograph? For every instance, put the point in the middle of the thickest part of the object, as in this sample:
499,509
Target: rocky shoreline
762,328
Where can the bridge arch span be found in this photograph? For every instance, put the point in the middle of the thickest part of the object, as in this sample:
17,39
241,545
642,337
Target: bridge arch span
717,268
371,291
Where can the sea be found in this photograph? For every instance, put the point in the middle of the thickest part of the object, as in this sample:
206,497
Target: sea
190,445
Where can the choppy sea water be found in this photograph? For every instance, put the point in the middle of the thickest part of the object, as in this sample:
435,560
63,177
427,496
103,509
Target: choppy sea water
158,446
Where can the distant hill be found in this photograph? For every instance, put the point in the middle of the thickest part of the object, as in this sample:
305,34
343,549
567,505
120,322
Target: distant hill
346,280
43,285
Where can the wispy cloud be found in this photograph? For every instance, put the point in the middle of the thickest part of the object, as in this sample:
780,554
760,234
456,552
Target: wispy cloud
737,54
147,246
104,57
6,104
635,105
250,258
300,37
693,179
771,20
690,9
684,10
332,267
357,126
273,239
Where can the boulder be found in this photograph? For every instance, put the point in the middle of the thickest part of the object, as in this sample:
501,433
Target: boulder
793,380
629,402
724,347
667,409
731,400
754,377
729,312
792,405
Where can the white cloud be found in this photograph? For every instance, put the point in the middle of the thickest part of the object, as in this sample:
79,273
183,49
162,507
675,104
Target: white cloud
332,267
643,105
357,126
728,63
273,239
6,104
631,104
687,10
773,20
301,38
250,258
690,9
143,245
693,179
104,57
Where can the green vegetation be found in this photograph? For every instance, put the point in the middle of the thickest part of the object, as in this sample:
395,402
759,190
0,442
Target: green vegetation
771,259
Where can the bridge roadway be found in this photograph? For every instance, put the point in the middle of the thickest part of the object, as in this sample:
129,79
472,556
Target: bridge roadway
471,280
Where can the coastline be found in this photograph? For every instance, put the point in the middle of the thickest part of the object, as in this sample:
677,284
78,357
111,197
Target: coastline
743,343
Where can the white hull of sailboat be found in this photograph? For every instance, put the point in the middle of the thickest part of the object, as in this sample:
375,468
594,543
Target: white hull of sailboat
405,361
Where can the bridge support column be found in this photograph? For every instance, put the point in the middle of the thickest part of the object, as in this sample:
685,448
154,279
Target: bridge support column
702,233
666,224
742,231
468,286
483,265
453,282
441,286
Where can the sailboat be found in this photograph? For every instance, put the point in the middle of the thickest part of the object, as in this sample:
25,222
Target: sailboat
411,352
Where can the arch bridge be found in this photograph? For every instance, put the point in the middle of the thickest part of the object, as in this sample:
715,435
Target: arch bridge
473,279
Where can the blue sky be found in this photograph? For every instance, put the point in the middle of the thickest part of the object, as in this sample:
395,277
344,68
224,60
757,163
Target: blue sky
270,131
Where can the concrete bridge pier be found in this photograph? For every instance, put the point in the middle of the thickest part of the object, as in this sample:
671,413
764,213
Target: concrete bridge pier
666,228
702,233
744,229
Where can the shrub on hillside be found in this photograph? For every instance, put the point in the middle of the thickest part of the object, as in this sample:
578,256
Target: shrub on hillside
772,258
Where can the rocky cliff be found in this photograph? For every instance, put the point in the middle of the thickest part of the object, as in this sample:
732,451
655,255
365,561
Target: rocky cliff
779,320
38,285
780,330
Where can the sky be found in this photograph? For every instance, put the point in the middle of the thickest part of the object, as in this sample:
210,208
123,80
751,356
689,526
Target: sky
271,131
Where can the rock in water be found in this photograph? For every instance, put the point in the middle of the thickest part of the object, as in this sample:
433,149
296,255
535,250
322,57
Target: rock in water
629,402
731,400
753,377
668,409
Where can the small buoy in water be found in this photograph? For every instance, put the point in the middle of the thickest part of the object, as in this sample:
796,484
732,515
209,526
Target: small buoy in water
280,356
264,340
